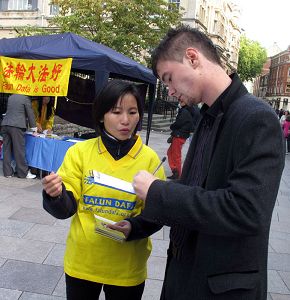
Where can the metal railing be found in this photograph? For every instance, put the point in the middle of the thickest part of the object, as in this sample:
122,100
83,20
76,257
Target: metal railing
165,108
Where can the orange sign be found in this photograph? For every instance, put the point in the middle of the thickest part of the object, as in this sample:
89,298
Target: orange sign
34,77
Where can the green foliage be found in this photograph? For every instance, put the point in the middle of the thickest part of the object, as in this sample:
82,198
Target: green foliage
131,27
251,59
32,30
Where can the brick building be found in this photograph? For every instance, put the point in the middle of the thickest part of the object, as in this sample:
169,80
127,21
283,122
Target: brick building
260,83
278,87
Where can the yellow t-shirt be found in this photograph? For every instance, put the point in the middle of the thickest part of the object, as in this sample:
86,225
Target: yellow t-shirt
41,119
89,255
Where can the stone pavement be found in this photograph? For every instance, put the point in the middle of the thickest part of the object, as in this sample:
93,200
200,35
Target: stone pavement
32,242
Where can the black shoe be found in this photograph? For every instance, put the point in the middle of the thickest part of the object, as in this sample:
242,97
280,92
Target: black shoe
174,175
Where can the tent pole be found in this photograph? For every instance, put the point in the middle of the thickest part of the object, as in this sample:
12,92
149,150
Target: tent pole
55,102
150,110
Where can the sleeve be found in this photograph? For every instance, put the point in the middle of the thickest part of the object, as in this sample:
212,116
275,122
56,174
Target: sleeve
34,105
143,227
71,171
177,123
29,112
243,203
49,123
183,122
61,207
36,113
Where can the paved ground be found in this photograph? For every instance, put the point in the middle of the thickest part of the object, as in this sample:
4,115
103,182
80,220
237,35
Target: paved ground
32,242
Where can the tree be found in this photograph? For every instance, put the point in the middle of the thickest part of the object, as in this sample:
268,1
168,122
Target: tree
131,27
251,59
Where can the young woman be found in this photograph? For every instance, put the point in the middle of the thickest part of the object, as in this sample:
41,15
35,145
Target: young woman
286,130
44,113
92,261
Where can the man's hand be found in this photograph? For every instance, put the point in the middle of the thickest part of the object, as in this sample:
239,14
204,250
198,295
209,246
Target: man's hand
122,226
142,182
52,184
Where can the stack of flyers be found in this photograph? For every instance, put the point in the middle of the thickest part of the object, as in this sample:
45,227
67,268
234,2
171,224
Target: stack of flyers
101,228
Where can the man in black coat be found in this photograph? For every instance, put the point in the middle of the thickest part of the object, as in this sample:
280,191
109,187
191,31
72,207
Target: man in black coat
220,210
181,129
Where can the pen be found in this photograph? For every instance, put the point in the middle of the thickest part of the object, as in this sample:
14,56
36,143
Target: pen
158,167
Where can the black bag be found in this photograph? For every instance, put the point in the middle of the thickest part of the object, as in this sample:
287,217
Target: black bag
169,140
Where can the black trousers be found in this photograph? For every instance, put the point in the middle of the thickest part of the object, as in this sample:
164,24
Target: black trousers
79,289
14,142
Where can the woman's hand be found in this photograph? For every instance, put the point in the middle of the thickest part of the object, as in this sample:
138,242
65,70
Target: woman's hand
39,129
52,184
122,226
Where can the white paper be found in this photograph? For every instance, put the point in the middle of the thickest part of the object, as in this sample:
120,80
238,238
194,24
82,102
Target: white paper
73,141
113,182
29,132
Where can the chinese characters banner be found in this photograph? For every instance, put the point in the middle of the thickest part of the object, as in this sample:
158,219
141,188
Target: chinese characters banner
34,77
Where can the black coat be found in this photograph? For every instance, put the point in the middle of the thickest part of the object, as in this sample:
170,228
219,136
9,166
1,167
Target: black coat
183,125
226,221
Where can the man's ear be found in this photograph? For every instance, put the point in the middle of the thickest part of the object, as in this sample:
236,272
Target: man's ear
192,55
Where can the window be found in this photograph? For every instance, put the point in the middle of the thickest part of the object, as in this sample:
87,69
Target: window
54,9
3,5
6,5
202,14
216,23
173,4
215,26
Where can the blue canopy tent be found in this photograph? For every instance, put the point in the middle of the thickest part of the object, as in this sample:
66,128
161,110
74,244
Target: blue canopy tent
90,58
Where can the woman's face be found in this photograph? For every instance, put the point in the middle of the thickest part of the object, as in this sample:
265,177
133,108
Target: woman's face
45,100
122,119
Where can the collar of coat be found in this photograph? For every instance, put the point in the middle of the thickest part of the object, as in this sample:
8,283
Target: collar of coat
234,91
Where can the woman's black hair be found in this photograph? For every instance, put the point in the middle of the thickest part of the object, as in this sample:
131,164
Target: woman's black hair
108,98
49,109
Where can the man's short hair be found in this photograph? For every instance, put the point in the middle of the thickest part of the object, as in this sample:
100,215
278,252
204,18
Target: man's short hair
177,40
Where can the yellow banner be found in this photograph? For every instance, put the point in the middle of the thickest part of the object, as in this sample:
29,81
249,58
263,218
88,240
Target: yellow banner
34,77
